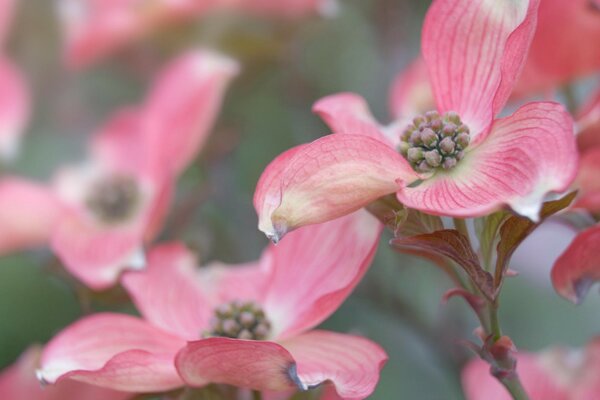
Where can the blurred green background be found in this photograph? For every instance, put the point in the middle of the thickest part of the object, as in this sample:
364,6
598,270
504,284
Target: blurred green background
287,65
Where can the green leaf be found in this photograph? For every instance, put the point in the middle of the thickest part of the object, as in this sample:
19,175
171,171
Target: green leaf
403,221
487,231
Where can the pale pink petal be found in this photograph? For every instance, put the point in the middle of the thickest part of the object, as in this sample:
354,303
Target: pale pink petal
351,363
114,351
182,106
526,156
254,364
316,268
411,91
28,213
14,108
326,179
588,181
578,268
474,51
168,292
19,382
349,113
561,27
540,384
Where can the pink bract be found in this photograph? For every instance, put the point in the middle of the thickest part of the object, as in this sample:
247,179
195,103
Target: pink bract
474,59
18,382
554,374
298,284
136,156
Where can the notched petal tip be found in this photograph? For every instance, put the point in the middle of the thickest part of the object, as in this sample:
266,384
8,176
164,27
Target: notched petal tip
581,288
292,373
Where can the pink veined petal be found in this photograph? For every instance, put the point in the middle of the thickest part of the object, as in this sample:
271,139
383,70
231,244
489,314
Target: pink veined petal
6,15
20,228
578,268
539,384
411,91
254,364
316,268
184,103
474,51
527,155
351,363
15,105
115,351
168,293
326,179
561,26
349,113
19,382
588,182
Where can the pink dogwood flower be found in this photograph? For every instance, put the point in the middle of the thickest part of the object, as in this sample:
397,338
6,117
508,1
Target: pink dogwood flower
18,382
98,215
94,29
459,160
553,374
247,326
572,30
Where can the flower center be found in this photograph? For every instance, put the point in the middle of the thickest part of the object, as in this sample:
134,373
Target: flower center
433,141
113,199
239,320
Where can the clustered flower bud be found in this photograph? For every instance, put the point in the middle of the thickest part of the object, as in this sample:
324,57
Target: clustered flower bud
433,141
239,320
113,199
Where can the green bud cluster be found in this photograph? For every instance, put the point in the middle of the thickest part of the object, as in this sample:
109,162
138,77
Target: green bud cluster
433,141
113,199
239,320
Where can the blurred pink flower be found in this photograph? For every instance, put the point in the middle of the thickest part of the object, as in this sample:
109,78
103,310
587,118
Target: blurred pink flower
94,29
458,161
18,382
554,374
197,323
571,29
98,215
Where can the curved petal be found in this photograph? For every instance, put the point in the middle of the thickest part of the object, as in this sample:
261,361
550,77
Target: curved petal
168,293
259,365
588,182
526,156
28,213
184,103
316,268
19,382
114,351
411,91
479,384
349,113
326,179
351,363
474,51
588,123
15,106
577,269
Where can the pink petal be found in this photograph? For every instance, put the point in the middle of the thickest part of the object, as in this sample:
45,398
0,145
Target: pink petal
561,27
349,113
540,384
588,182
411,91
351,363
578,267
168,292
316,268
184,103
19,382
14,108
259,365
526,156
114,351
326,179
28,213
474,51
588,123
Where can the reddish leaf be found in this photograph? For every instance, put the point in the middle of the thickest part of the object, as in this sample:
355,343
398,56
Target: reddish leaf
453,245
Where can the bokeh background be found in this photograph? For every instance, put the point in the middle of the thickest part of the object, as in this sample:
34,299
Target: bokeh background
287,66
